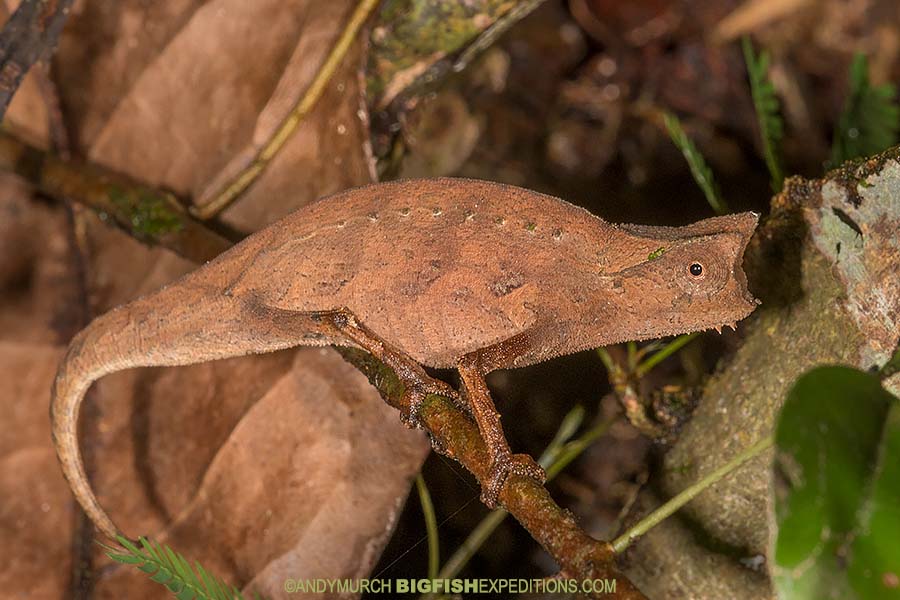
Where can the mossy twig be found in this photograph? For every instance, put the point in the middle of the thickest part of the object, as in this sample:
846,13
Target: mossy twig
150,215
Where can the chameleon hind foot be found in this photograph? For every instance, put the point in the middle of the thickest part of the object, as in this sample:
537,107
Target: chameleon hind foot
417,384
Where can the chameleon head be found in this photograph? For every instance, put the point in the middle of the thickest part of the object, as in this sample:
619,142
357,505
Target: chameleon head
694,280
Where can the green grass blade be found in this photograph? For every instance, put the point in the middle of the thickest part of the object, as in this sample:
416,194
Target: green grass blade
431,527
149,549
125,559
699,169
213,587
768,117
188,593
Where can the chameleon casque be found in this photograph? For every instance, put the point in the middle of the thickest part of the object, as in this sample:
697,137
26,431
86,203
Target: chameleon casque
455,273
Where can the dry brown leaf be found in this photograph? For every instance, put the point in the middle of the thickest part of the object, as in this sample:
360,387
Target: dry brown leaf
220,86
306,461
38,288
753,14
169,93
36,511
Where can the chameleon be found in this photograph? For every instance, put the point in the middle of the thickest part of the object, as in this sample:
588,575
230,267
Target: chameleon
443,273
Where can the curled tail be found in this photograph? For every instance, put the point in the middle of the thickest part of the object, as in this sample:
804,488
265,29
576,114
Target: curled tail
85,362
191,321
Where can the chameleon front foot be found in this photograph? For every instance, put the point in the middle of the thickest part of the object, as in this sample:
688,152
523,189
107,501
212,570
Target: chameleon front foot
503,465
478,397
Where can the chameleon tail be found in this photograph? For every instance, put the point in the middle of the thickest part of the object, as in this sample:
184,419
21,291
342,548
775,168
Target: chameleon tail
87,360
188,322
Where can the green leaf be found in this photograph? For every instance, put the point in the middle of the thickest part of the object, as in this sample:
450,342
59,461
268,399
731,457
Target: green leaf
699,169
126,559
837,504
188,593
771,127
871,119
211,583
162,576
875,549
128,545
149,549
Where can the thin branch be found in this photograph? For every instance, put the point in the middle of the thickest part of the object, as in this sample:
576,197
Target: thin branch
208,206
480,534
82,572
579,555
30,34
621,543
492,33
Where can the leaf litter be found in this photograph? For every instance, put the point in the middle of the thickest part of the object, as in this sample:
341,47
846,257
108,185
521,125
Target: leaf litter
262,467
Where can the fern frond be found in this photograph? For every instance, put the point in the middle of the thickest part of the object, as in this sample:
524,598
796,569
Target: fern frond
768,117
171,569
871,119
699,169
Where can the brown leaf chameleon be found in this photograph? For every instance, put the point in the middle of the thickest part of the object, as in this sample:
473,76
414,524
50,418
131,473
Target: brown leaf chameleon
441,272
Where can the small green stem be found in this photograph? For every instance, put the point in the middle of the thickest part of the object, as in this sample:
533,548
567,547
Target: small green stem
469,547
431,527
646,349
665,352
632,356
606,359
569,452
621,543
569,426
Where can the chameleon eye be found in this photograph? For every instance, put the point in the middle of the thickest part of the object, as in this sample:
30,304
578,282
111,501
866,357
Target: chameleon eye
696,269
